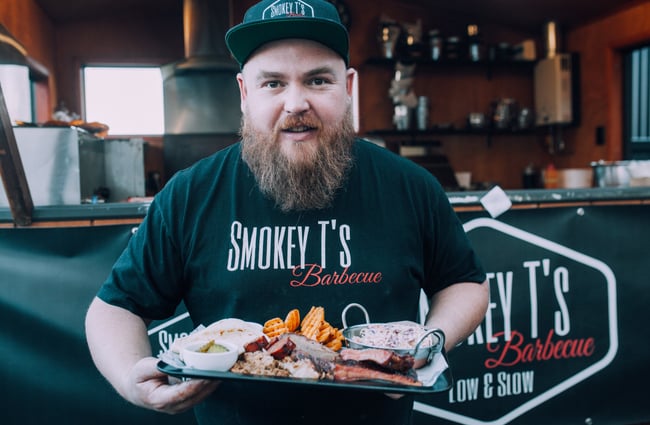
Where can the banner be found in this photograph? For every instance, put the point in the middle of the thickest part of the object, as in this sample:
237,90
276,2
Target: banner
565,340
48,277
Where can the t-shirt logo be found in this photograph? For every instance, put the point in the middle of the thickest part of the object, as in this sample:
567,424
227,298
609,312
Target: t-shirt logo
288,248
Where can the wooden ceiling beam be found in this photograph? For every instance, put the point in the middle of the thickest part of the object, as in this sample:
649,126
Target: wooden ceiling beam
12,173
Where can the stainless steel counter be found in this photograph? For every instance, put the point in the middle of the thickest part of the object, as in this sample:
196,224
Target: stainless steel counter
128,210
550,196
113,211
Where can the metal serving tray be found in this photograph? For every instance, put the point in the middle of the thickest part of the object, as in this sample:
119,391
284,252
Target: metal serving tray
442,383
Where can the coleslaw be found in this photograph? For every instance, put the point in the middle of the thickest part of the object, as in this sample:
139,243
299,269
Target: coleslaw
400,336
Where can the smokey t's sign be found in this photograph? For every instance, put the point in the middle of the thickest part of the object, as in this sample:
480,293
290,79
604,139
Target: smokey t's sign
551,324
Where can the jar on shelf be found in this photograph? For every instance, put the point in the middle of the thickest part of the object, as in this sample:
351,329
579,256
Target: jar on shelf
435,44
389,33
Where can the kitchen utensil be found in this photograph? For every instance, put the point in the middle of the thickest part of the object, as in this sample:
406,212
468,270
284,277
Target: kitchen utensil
505,111
525,119
423,113
402,117
476,120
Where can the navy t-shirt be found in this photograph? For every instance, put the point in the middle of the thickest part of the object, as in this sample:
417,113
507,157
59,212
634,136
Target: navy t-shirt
213,241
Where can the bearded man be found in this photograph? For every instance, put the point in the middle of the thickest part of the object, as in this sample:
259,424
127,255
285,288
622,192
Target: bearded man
259,228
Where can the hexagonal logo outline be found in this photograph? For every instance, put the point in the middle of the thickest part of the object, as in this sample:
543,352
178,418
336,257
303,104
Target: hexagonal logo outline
566,383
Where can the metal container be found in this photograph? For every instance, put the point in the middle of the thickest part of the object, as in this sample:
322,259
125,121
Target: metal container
429,342
65,166
124,173
62,165
634,173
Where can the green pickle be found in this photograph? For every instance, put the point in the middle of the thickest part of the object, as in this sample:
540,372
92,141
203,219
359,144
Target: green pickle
217,348
212,347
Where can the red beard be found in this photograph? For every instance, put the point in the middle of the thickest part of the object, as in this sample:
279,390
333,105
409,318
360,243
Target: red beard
299,185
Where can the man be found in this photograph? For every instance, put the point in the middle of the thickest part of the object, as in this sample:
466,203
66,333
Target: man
265,225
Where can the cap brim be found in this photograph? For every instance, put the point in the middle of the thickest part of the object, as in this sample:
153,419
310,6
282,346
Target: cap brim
244,39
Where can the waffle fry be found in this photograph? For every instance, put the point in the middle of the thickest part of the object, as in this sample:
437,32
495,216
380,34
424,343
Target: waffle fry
334,344
324,332
313,326
292,321
310,325
338,334
274,327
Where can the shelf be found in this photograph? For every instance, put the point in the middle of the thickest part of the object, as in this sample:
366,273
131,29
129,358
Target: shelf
450,131
487,66
451,62
396,138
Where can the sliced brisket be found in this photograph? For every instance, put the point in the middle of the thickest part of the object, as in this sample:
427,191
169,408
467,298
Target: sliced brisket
384,358
356,372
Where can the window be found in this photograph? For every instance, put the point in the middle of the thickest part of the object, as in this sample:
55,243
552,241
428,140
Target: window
637,103
127,99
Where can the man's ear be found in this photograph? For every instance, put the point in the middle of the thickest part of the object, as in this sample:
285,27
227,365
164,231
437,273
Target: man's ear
349,80
242,91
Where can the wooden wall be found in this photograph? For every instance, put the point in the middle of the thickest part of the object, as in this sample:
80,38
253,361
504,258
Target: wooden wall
600,45
136,40
36,32
63,48
453,92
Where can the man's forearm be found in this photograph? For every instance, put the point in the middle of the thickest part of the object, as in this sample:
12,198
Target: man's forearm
458,310
117,339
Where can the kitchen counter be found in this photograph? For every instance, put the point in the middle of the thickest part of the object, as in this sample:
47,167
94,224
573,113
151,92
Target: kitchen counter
548,197
132,212
82,215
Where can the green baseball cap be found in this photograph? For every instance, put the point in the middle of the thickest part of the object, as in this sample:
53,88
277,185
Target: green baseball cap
272,20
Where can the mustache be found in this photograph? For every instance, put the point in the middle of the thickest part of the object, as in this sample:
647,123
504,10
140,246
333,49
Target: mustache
299,120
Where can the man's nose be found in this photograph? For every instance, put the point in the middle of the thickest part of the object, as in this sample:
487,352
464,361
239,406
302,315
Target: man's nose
296,100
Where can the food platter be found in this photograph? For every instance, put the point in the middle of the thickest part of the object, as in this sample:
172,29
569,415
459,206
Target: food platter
310,352
442,382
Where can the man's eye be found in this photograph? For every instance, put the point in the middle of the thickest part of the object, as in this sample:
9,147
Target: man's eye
272,84
318,81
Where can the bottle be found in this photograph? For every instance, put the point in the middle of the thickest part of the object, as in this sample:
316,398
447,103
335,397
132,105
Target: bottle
474,52
530,177
551,178
423,113
435,43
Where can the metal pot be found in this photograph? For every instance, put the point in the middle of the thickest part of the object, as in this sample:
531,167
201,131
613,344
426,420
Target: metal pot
423,348
611,174
621,173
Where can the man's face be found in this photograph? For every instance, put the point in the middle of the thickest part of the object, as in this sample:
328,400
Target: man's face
297,126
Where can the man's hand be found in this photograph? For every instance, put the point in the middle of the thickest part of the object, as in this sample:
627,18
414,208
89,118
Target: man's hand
120,348
148,387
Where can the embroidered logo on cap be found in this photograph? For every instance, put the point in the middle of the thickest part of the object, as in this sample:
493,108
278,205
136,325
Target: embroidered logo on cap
288,9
